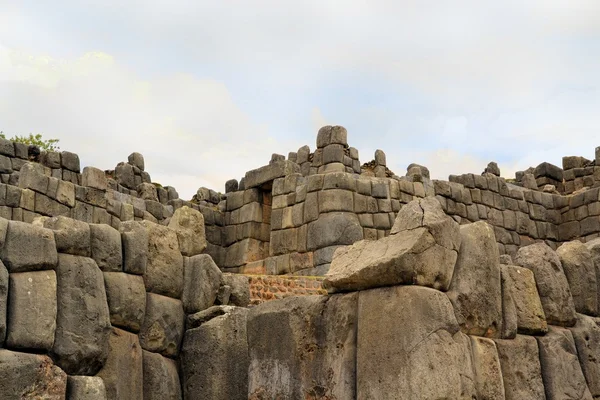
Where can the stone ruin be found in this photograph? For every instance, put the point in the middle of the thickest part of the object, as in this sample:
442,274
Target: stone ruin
384,287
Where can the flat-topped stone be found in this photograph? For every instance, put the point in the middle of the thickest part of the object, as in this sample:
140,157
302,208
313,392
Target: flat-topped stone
270,172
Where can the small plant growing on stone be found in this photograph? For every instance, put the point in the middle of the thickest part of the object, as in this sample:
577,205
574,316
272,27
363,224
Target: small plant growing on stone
36,140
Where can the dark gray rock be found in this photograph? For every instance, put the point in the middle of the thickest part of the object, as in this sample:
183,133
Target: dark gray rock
3,301
521,370
137,160
70,161
126,297
217,348
28,248
202,279
475,290
125,176
163,325
562,374
231,185
269,173
31,176
586,334
32,310
106,247
551,282
578,264
134,237
71,236
80,344
164,268
189,226
124,360
380,158
240,289
548,170
337,228
492,168
94,178
85,388
30,376
161,380
195,320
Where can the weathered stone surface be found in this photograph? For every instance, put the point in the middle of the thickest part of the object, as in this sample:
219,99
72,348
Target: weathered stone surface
189,225
594,248
86,388
509,308
125,176
137,160
380,158
562,374
332,135
281,333
162,329
551,282
164,268
3,301
531,319
28,248
32,310
521,370
94,178
422,251
218,348
31,176
71,236
126,297
269,173
195,320
82,325
147,191
475,290
70,161
161,380
240,289
202,279
124,360
338,228
106,247
586,334
135,247
416,351
486,369
30,376
578,264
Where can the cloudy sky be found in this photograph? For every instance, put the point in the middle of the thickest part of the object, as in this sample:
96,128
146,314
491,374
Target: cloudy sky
207,90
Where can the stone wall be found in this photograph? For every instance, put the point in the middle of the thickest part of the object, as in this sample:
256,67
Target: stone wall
268,287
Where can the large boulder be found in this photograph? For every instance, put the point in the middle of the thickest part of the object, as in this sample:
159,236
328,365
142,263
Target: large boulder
83,320
28,248
563,377
135,247
106,247
578,264
164,268
486,369
161,380
551,282
594,248
410,346
163,325
30,376
521,370
475,290
126,297
71,236
202,278
240,289
335,228
214,358
586,334
303,347
86,388
189,225
531,319
422,251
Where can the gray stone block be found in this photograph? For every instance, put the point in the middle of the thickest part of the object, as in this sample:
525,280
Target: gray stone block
336,200
126,296
521,370
270,172
137,160
85,388
202,279
3,301
71,236
106,247
163,326
189,226
30,376
28,248
31,176
332,135
336,228
240,289
81,344
578,265
94,178
70,161
531,319
32,310
164,266
134,237
161,380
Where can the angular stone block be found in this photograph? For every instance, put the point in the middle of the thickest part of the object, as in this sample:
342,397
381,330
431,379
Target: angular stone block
94,178
32,310
202,279
521,370
162,329
85,388
164,268
189,226
134,237
217,348
126,297
410,346
31,176
161,380
334,229
81,343
240,289
70,161
578,264
269,173
551,282
586,334
475,290
561,371
28,248
531,319
71,236
106,247
486,369
124,360
30,376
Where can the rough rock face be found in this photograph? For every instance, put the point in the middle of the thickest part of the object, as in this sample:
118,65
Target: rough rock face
486,369
126,297
202,278
422,250
86,388
71,236
162,329
586,334
240,289
562,374
161,380
30,376
3,300
594,248
189,225
410,346
217,348
135,247
475,290
552,284
164,268
578,264
28,248
335,228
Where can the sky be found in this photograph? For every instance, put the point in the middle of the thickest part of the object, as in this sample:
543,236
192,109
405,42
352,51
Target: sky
207,90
